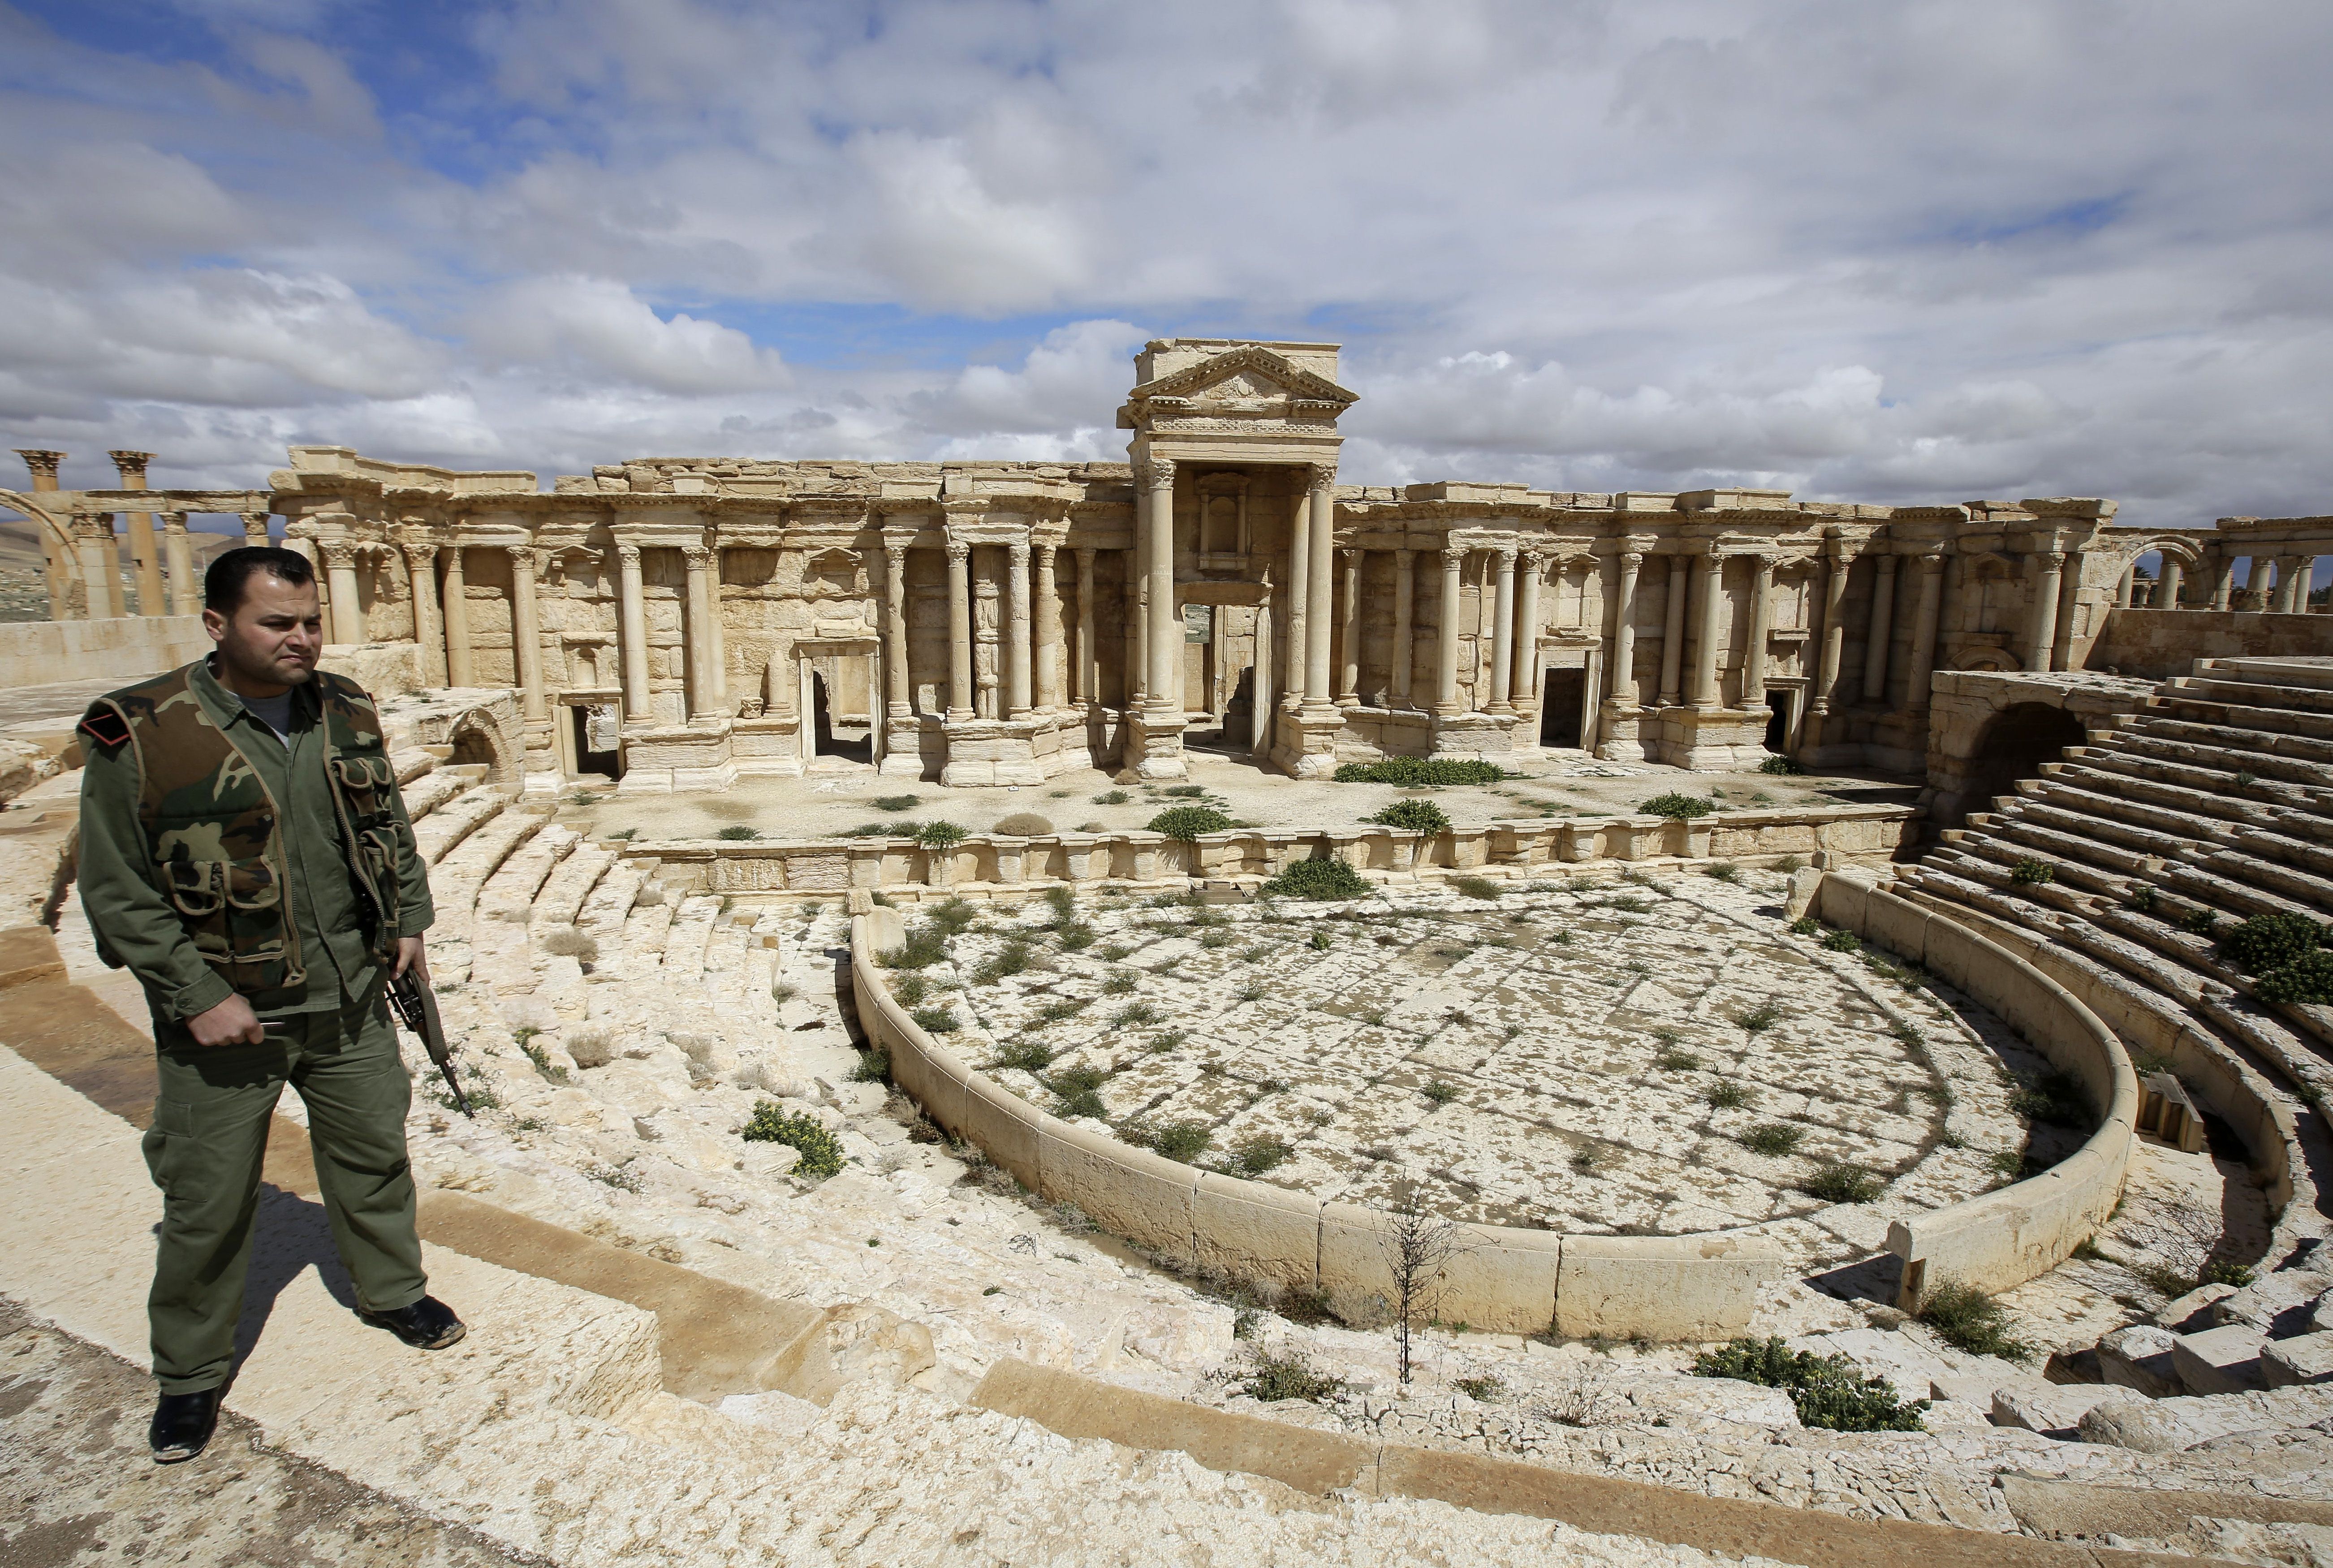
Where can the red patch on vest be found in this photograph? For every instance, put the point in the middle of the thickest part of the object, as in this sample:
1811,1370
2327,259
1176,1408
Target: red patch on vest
105,726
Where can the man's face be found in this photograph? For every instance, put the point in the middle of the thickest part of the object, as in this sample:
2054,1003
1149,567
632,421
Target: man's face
274,637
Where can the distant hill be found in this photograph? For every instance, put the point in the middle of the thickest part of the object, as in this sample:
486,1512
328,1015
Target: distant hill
19,544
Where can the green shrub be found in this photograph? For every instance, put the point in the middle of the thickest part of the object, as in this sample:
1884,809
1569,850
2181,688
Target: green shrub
1839,1182
1182,1142
2054,1097
1012,958
955,914
1757,1020
1828,1390
1477,887
1061,1008
1481,1389
1028,1056
1780,766
1188,822
1968,1320
1075,936
1805,925
898,802
923,946
874,1067
1022,824
1440,1093
2306,979
2031,873
1723,870
1680,807
1112,798
1842,940
1672,1060
1728,1096
1774,1139
939,835
936,1020
822,1151
1255,1154
739,833
1317,879
1289,1376
2270,941
1140,1013
1077,1089
2142,898
880,830
1421,772
2200,921
1415,815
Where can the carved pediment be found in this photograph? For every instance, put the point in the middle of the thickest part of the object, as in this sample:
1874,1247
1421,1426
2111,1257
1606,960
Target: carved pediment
1247,383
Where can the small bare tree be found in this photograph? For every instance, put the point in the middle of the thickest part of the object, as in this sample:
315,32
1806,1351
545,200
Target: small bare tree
1418,1248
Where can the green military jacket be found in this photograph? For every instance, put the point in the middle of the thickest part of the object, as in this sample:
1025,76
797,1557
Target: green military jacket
216,858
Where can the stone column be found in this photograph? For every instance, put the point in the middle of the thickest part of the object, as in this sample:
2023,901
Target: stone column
2049,570
428,625
1405,650
1673,632
1048,640
2223,579
179,550
143,562
1166,647
1299,561
717,661
1621,680
254,530
2123,589
1348,668
1445,686
1834,640
897,690
93,539
1876,649
632,620
41,466
1753,655
1089,660
461,659
526,635
1502,636
1016,630
340,571
2256,577
2069,590
2293,574
1320,493
2174,580
1924,629
696,636
1522,691
959,560
1137,631
1707,586
1262,695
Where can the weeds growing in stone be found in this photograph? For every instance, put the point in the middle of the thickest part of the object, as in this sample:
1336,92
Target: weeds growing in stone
1676,807
1723,871
1840,1182
1828,1392
1028,1056
1841,941
1968,1320
873,1067
821,1149
1774,1139
1287,1375
1255,1154
1439,1092
897,802
1118,984
1480,887
1319,880
1725,1095
1757,1020
937,1021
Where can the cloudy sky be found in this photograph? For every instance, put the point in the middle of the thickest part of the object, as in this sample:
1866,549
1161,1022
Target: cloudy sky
1898,251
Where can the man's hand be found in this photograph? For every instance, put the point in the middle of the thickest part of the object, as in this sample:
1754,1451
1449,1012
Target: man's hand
230,1023
411,956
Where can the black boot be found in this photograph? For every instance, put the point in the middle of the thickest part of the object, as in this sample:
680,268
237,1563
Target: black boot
182,1424
428,1324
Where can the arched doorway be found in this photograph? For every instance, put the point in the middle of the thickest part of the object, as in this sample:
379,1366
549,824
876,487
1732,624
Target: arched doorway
2013,745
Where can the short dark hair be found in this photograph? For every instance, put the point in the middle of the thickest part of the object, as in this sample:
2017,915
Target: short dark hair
224,578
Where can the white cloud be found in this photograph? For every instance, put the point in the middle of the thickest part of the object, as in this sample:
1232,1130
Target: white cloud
596,328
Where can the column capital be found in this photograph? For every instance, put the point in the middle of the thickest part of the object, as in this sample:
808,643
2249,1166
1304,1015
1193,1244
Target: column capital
628,554
1453,557
419,553
132,467
1507,556
94,525
1019,551
959,549
1157,473
1932,561
1320,476
2051,559
1632,558
1352,553
698,557
172,521
337,552
522,558
1045,553
40,464
255,522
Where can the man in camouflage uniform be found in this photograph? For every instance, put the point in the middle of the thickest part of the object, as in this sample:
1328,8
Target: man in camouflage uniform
244,852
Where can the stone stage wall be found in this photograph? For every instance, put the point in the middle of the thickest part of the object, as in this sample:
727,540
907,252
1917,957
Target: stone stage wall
2154,643
37,652
898,868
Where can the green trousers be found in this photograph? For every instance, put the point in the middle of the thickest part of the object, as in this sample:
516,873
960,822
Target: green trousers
204,1151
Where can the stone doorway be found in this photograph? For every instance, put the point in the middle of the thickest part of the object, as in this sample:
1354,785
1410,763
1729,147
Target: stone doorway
837,683
1562,699
595,734
853,741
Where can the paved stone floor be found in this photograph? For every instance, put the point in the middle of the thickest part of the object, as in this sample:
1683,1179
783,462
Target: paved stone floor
77,1487
1656,1055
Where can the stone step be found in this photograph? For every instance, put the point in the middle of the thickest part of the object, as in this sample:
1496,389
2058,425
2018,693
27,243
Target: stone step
685,941
2090,851
428,792
2228,896
2070,871
411,762
1992,874
2222,783
2310,893
2218,687
2268,720
2181,828
561,899
458,879
2221,758
2287,849
2144,843
601,914
2236,741
2198,806
456,819
509,892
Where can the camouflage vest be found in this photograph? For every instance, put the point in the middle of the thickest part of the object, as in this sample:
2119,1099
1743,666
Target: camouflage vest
217,834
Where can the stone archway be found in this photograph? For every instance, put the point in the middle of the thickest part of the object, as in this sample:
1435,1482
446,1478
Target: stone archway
477,741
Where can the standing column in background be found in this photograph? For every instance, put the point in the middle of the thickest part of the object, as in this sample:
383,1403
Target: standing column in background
1446,653
1753,652
1882,632
1673,632
2223,579
1522,690
143,560
1707,585
1622,680
178,551
1924,629
1503,635
1137,632
1834,639
1348,669
717,656
340,570
2293,574
1016,630
632,624
1089,659
2049,570
461,659
1166,647
255,529
1263,715
526,635
93,539
1405,650
2256,582
1047,640
428,624
1300,562
696,637
2174,580
959,569
2069,590
58,555
897,691
2123,589
1320,493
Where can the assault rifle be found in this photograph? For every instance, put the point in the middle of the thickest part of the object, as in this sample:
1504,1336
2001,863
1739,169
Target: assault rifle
416,1010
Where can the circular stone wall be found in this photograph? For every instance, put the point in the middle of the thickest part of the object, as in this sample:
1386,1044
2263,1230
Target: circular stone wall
1654,1056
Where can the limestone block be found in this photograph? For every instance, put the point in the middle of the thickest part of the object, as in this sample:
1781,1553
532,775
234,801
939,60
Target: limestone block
1252,1231
2278,1303
1128,1191
2140,1357
2193,1310
769,1159
1664,1288
1501,1279
574,1108
2306,1359
2054,1409
1004,1126
1804,884
2220,1361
